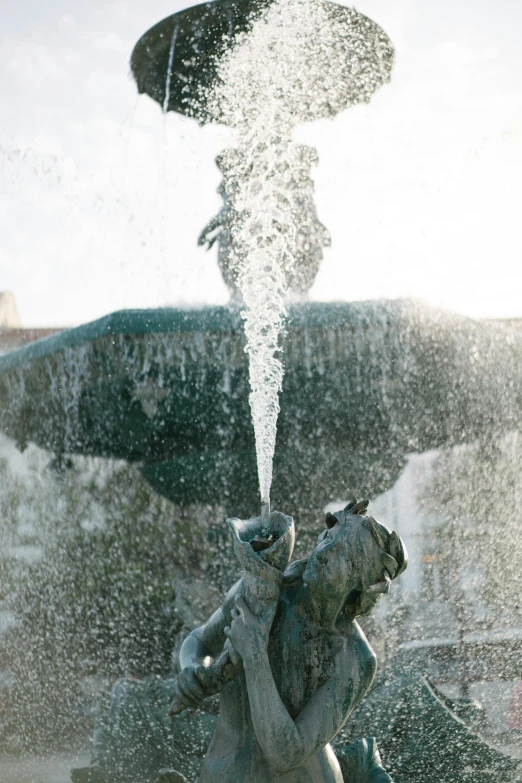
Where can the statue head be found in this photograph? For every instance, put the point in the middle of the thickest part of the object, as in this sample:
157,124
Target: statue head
356,558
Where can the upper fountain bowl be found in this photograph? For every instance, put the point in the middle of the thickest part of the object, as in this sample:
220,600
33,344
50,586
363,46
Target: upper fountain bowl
176,62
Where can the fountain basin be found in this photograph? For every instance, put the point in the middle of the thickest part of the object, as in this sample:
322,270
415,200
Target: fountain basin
176,61
365,384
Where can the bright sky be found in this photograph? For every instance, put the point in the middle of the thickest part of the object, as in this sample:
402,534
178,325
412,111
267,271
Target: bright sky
102,197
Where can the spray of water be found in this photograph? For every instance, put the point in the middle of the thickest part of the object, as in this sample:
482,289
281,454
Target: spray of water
168,81
258,178
296,63
262,249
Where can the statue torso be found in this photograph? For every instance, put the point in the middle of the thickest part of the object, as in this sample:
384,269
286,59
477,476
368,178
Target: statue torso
302,659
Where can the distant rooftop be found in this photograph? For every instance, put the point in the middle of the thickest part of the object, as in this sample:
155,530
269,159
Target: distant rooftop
12,333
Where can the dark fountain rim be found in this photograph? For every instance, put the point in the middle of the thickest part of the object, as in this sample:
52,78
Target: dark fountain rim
214,319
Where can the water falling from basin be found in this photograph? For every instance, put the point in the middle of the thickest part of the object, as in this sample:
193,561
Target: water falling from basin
168,80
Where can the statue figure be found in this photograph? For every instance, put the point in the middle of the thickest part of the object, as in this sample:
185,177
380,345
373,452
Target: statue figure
297,665
297,188
287,656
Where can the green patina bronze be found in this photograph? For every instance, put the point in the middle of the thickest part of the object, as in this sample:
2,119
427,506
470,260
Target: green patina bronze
365,384
287,656
303,663
175,62
292,667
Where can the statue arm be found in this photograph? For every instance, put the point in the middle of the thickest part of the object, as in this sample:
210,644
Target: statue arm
201,670
208,640
288,744
205,238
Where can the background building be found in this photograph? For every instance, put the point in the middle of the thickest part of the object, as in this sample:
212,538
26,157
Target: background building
12,333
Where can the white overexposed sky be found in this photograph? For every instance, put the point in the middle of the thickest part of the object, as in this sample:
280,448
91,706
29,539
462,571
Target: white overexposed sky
102,197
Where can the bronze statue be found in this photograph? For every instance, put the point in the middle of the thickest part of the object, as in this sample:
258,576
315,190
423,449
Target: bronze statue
287,656
311,235
301,663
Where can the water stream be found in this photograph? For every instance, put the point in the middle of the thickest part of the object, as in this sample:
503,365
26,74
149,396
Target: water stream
168,81
301,60
262,80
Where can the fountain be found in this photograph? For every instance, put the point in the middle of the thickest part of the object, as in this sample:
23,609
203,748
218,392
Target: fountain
270,240
364,385
168,390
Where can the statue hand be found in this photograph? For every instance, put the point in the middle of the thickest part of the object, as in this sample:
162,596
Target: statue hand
249,632
188,689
